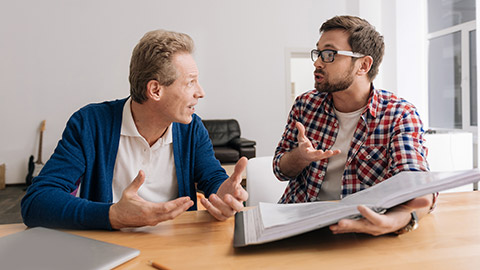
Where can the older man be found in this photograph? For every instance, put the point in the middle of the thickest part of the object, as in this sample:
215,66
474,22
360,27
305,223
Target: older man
137,161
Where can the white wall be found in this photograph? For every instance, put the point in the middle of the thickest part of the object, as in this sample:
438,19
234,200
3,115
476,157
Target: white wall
411,56
403,26
58,55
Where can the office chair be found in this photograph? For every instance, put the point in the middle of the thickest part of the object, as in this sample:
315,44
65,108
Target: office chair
262,185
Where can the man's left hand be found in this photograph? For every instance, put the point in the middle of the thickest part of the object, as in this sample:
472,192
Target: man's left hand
230,195
378,224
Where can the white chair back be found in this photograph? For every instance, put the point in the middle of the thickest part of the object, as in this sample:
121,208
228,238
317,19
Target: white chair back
262,185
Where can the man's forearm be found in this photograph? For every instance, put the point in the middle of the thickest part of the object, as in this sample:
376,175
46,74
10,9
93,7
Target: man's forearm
291,164
403,211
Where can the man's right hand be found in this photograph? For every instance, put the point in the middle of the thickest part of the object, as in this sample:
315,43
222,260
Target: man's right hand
133,211
293,162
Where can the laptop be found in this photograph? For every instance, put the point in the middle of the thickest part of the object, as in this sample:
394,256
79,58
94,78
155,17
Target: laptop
42,248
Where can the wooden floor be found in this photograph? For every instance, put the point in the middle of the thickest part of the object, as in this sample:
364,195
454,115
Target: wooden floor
10,198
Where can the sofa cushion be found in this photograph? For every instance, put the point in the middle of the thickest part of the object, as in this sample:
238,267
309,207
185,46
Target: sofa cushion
222,131
226,154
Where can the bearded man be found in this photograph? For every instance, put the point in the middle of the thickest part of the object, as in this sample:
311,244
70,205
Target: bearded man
345,135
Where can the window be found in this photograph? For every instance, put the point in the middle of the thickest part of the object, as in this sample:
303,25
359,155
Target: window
452,64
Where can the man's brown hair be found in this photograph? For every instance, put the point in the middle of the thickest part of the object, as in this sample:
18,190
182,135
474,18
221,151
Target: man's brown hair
152,60
363,38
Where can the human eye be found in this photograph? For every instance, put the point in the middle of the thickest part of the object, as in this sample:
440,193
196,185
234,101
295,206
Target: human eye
328,55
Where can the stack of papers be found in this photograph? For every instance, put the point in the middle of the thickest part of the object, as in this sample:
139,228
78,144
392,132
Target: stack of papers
269,222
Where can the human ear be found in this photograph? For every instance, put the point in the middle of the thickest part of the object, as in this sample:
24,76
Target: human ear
154,90
365,65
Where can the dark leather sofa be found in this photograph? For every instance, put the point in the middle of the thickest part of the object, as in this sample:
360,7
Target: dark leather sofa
227,143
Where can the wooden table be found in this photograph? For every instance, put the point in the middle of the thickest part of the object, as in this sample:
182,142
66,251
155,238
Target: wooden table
449,238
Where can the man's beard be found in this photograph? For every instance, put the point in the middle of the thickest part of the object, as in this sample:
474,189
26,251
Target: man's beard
330,87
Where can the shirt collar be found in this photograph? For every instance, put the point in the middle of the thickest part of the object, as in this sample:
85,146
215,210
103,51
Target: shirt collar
128,125
372,104
167,138
130,129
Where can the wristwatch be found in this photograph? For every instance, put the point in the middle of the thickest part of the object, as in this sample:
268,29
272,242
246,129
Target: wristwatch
412,225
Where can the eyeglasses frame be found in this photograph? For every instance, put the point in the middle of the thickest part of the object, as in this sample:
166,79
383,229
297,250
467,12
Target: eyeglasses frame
346,53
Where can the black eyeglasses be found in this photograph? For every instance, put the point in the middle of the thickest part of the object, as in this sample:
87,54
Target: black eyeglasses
328,55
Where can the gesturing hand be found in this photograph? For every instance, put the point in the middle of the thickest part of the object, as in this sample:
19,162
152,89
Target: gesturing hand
293,162
230,195
307,151
133,211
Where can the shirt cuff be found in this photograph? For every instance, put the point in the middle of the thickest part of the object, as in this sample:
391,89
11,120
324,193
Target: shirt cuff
276,169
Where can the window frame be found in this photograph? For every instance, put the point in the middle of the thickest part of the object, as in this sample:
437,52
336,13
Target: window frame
464,29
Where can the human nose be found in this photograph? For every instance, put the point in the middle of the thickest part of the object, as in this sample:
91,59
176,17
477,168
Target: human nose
199,93
318,63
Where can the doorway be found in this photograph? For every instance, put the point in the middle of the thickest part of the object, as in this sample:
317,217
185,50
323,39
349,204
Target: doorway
300,78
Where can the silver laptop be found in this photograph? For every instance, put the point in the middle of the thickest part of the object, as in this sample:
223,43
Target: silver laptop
41,248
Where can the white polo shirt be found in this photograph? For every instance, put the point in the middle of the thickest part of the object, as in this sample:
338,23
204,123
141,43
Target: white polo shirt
134,154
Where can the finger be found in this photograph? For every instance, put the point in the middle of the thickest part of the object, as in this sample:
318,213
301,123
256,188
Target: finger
218,203
239,169
357,225
233,203
320,154
361,225
371,223
216,213
301,132
241,194
335,152
174,204
221,205
370,215
136,183
172,209
344,226
179,210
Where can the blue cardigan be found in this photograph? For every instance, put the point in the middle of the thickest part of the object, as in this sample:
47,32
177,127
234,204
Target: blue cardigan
87,152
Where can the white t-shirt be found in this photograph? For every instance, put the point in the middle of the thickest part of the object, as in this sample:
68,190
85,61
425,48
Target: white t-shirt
134,154
332,183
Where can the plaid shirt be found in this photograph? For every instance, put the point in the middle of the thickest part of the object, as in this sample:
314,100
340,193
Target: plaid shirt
388,139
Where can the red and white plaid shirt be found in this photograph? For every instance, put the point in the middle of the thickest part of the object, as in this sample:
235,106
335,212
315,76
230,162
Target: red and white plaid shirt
387,140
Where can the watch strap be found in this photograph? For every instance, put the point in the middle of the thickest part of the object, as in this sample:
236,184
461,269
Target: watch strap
412,225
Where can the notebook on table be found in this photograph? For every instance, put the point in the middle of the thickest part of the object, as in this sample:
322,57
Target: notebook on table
42,248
